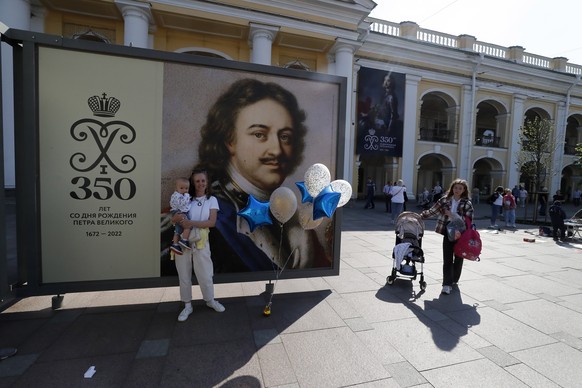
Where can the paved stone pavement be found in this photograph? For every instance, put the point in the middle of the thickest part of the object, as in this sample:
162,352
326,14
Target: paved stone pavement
515,320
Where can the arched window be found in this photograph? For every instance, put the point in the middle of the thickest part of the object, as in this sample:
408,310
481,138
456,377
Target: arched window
435,122
203,52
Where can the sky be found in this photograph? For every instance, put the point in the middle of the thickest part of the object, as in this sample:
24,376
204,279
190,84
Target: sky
544,27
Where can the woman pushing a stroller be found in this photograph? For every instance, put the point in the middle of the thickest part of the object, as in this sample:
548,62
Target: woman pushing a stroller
454,202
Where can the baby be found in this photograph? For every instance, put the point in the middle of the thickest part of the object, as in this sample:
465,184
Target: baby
180,203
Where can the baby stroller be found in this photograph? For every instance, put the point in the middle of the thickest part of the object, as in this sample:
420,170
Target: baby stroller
407,251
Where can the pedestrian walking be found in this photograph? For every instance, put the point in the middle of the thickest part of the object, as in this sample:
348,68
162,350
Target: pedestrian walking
370,192
388,196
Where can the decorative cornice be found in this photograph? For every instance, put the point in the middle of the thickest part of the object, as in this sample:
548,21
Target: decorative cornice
338,12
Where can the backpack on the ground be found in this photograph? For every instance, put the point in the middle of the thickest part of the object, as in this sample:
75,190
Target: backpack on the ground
544,231
469,245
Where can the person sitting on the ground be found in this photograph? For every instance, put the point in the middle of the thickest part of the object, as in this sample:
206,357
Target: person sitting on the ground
558,216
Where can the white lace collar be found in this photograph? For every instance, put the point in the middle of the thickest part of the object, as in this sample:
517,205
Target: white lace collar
247,186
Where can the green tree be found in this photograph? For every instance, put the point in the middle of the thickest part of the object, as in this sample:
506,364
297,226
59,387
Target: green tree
578,154
537,141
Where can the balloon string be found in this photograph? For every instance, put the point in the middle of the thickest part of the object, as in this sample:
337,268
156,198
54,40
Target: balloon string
273,264
279,272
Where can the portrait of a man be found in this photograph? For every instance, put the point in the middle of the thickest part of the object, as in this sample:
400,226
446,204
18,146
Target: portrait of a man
253,135
380,112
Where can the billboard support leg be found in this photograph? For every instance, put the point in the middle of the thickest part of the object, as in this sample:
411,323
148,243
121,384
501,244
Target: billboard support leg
57,301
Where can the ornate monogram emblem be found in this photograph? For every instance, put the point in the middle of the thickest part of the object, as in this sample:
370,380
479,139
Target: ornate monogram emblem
371,140
103,135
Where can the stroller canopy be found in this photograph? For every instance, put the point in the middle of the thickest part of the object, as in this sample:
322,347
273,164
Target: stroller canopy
409,223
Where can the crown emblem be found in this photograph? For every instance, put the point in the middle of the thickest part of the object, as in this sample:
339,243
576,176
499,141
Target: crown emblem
371,131
104,106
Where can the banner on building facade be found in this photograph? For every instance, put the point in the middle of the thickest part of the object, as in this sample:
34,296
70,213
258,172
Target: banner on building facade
116,133
380,112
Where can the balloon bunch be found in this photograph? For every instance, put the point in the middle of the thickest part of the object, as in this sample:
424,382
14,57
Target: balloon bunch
319,198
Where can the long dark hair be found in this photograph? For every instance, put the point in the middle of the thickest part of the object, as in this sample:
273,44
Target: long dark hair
461,182
219,128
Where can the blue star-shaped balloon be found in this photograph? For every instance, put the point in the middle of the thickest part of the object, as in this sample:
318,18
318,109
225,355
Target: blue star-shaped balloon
305,196
256,213
325,203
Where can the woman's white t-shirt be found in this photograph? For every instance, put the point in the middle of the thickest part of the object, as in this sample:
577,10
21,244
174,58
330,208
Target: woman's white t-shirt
200,208
499,200
454,205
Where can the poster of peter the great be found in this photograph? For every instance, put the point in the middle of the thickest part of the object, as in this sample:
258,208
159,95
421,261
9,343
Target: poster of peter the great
380,112
252,133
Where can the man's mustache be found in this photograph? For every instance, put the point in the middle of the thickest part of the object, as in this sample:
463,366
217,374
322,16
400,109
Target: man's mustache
280,160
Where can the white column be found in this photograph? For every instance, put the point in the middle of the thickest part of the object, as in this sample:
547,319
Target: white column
465,135
261,42
354,176
344,66
558,158
516,123
137,17
409,132
14,14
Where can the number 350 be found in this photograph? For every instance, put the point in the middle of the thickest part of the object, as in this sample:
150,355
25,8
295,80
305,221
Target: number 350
123,188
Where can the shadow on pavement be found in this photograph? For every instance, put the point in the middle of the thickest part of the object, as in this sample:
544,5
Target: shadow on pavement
144,345
436,314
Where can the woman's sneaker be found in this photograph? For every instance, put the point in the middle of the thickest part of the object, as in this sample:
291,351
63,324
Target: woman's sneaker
177,249
185,313
446,290
215,305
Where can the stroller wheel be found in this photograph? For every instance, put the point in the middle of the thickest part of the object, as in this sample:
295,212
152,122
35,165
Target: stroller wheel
423,286
390,280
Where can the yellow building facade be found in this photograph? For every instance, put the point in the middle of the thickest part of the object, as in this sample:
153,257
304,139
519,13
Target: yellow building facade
465,100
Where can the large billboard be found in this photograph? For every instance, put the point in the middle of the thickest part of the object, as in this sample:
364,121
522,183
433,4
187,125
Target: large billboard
380,112
118,127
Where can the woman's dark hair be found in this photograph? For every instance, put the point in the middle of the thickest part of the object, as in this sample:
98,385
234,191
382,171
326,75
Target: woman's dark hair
219,128
192,189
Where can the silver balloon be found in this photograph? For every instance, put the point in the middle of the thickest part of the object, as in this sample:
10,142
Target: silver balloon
283,204
306,216
316,178
344,188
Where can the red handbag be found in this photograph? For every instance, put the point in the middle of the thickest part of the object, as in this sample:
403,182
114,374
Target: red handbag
469,245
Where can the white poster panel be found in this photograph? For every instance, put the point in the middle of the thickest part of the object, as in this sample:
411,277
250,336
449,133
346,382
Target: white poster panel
100,123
